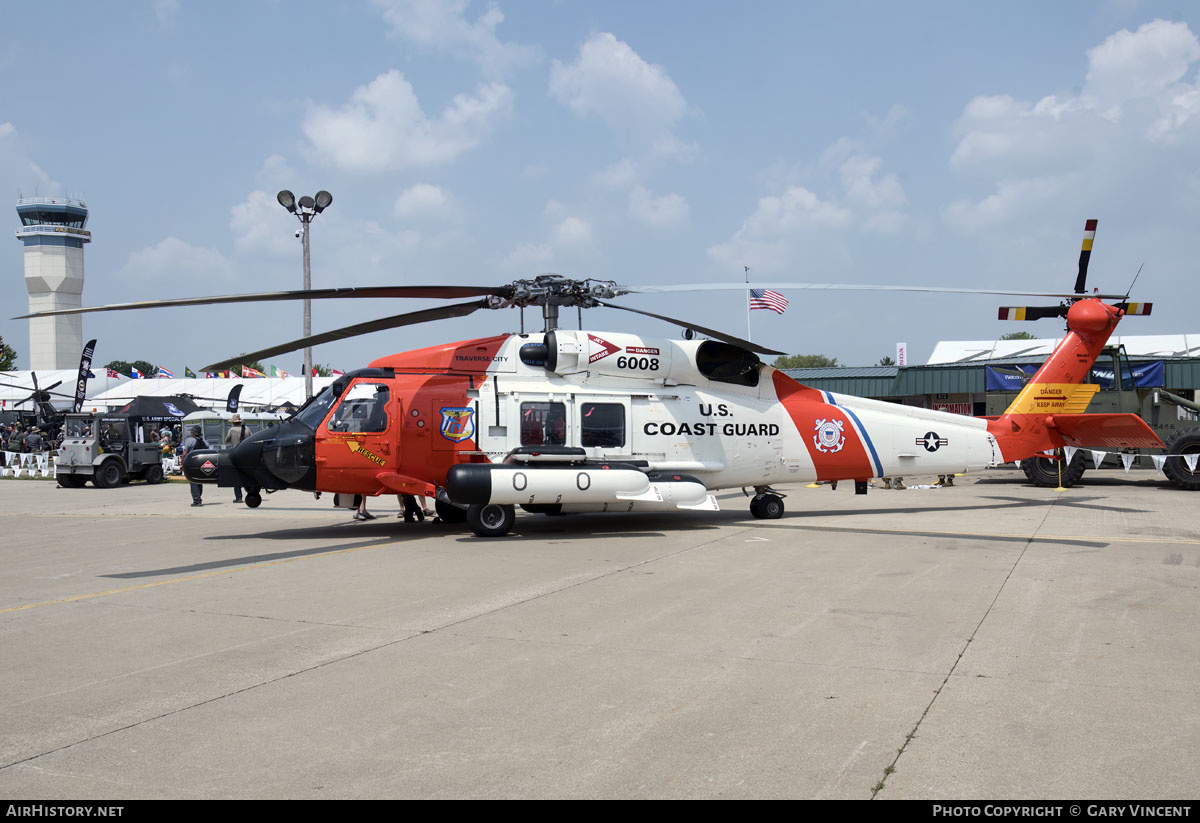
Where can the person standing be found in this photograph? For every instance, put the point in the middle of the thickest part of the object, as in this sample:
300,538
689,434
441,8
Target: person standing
195,441
236,434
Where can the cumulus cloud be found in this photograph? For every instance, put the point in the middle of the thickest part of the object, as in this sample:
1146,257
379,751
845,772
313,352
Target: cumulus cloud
668,211
382,127
769,237
424,201
18,172
637,100
442,25
573,233
527,258
174,259
1134,119
261,226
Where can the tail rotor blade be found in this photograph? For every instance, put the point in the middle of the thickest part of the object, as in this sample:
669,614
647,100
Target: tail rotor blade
1085,255
1031,312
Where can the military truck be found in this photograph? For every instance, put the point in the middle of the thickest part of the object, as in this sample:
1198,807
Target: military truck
103,448
1124,388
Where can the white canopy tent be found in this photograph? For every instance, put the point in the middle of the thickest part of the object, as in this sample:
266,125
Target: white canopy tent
213,391
978,351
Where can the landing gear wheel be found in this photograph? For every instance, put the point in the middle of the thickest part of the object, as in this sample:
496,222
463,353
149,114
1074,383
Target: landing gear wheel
491,519
1184,441
71,481
253,499
449,512
767,507
107,475
154,475
1043,471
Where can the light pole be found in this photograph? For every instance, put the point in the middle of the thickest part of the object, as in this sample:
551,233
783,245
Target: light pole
305,209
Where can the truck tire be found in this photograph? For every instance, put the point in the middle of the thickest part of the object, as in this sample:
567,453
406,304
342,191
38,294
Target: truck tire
1043,471
72,481
153,475
1184,441
108,474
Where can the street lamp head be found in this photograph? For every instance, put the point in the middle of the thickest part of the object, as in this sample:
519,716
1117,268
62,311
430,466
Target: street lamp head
287,200
306,203
323,200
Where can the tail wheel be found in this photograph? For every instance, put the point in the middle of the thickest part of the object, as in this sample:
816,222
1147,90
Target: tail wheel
491,519
253,499
1185,441
1044,471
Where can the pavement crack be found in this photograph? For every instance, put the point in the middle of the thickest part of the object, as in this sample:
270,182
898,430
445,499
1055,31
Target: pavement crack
891,767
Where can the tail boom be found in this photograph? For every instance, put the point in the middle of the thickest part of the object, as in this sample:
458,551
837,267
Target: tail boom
1048,413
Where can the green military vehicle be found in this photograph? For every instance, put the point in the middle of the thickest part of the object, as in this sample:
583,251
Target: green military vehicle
1175,419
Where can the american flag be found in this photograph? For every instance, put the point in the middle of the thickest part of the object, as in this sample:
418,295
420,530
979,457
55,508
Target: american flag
767,299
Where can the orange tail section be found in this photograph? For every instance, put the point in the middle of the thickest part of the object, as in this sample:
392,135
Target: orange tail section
1048,413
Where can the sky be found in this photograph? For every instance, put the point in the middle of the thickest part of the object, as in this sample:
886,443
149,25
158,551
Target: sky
928,143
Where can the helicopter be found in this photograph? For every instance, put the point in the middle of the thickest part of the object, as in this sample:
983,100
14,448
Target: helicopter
568,421
44,415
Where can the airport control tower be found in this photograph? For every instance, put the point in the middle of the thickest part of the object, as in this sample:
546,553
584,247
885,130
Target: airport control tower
52,229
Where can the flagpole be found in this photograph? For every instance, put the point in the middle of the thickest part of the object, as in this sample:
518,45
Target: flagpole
748,337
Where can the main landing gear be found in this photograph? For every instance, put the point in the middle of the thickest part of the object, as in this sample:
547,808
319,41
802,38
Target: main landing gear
766,504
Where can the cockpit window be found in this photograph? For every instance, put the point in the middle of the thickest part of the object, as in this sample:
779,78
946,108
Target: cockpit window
315,410
363,409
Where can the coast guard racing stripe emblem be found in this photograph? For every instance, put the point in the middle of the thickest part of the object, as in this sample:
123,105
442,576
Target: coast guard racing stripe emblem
458,424
830,435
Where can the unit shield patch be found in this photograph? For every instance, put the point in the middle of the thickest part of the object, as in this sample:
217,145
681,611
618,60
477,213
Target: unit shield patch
458,423
830,435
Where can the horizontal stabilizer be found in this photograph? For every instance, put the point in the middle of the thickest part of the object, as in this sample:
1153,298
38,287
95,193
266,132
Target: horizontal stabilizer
1135,308
1111,431
1031,312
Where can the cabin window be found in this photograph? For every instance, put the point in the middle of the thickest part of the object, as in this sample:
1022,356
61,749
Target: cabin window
543,424
363,409
602,424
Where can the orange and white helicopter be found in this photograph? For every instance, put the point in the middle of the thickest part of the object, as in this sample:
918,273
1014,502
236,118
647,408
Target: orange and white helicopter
586,421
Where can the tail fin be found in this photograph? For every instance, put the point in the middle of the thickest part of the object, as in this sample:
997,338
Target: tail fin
1028,426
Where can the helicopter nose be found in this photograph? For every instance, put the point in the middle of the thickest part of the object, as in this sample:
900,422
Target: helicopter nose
279,457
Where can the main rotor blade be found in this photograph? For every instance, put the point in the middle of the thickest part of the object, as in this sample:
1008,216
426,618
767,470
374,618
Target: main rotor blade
32,396
851,287
394,322
718,335
437,292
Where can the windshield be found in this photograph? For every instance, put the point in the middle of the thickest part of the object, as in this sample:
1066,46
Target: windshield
315,410
76,427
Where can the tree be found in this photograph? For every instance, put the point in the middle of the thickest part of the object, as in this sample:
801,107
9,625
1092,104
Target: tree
1018,335
144,367
8,356
804,361
323,370
886,361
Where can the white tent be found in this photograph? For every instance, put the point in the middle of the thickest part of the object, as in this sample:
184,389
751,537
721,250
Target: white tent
978,351
212,392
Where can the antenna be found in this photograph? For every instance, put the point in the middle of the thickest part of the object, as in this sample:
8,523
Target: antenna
1135,277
